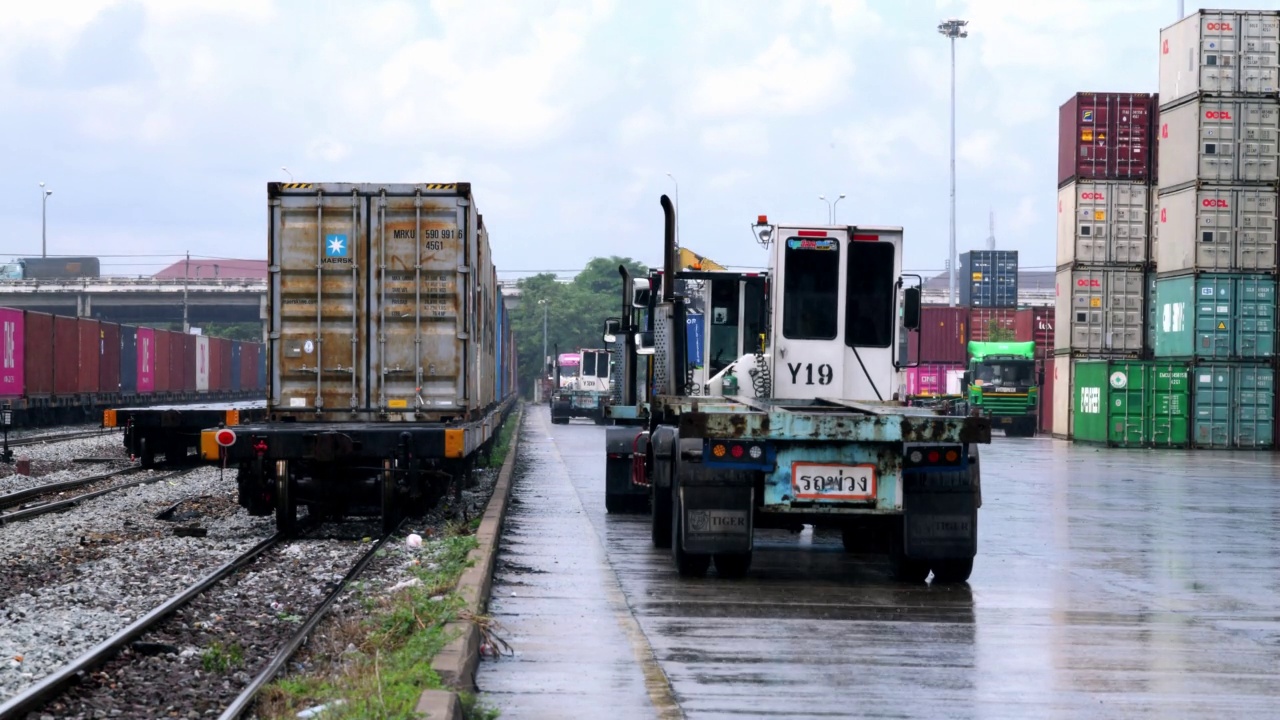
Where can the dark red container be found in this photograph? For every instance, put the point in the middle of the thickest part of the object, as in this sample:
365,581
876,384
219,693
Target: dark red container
224,365
163,363
1106,136
942,335
987,324
38,354
1035,324
188,362
215,364
109,358
249,365
90,354
177,362
66,356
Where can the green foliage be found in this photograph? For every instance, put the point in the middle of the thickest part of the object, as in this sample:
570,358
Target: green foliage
251,331
999,332
219,658
575,312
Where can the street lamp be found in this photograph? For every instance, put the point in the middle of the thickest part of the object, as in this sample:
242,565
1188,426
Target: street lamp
834,207
44,197
286,172
677,184
831,207
824,199
953,29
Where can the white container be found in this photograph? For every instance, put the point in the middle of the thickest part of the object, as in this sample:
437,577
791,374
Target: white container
1221,52
1103,222
202,363
1217,230
955,381
1100,310
1212,140
1062,389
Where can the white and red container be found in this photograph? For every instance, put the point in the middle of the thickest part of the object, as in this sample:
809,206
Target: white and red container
1220,52
1212,140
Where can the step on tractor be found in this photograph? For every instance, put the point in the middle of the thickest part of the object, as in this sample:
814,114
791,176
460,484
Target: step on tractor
801,425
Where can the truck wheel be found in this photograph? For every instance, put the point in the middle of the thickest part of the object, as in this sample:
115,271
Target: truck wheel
733,565
687,564
955,570
901,567
661,517
615,503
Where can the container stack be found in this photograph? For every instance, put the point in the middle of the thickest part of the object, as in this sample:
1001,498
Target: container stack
1105,156
1216,214
939,349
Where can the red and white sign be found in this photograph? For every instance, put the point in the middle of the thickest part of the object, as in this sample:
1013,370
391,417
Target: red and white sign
226,437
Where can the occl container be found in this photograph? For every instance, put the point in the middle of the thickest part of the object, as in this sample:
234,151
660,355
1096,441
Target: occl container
1100,310
1219,141
1218,229
1234,406
1219,316
1129,403
1103,223
1220,52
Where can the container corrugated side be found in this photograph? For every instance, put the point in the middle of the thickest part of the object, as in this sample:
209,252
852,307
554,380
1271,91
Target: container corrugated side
1100,310
988,278
1221,52
992,324
210,361
236,367
1062,395
929,378
148,361
163,362
38,354
1131,403
1218,230
109,358
90,354
1219,141
1217,316
13,346
1105,136
1234,406
1103,223
224,365
416,255
128,359
1035,324
942,336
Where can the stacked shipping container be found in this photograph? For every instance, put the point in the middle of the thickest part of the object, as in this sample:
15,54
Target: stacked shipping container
1105,167
1215,261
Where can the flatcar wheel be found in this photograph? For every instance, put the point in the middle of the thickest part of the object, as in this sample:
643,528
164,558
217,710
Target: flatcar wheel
390,508
286,508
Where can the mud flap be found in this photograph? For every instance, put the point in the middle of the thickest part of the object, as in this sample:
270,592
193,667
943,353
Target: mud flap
717,509
940,512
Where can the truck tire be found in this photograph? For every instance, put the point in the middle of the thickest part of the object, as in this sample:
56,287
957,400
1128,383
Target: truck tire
901,567
955,570
687,564
733,565
615,503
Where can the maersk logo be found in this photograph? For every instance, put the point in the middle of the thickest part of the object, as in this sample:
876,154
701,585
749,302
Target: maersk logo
1173,317
337,249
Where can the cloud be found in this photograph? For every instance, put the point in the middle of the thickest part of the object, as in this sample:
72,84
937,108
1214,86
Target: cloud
895,146
781,80
328,150
730,179
744,138
640,126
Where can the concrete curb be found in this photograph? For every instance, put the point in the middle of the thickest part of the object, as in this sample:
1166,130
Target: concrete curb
456,664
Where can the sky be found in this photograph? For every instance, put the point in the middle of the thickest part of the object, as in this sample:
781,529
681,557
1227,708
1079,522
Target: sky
158,123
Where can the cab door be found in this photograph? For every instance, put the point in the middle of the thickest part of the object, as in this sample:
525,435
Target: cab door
809,318
872,326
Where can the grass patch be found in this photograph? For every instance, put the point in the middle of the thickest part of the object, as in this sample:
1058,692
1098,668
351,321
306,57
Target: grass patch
502,443
395,646
220,658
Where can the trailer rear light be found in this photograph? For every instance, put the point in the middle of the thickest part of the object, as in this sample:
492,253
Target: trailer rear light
935,456
737,451
719,450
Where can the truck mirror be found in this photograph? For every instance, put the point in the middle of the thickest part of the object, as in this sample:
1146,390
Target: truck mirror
640,293
644,343
911,308
612,329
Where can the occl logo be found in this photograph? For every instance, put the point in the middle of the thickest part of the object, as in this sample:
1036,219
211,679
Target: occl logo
1088,282
1212,202
1225,26
1091,196
1218,114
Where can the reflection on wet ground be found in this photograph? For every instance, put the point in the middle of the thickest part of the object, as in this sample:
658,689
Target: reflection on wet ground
1109,583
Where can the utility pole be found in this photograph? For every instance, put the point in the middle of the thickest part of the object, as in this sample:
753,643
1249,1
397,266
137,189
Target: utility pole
953,29
186,278
44,215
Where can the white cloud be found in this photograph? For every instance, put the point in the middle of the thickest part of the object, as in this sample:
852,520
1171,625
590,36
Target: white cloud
744,138
895,146
781,80
730,179
328,150
978,149
640,126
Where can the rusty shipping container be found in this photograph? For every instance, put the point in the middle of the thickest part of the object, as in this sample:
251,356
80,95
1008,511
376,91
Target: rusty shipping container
992,324
1106,136
378,303
109,354
942,335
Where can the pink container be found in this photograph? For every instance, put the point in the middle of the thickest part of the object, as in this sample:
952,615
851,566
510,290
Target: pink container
929,378
12,352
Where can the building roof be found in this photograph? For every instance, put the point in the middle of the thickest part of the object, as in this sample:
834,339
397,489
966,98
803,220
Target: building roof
205,268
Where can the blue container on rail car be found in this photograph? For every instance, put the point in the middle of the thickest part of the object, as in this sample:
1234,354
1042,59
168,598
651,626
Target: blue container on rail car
128,359
236,373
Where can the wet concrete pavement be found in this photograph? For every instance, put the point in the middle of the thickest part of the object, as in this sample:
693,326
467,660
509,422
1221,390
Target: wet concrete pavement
1109,583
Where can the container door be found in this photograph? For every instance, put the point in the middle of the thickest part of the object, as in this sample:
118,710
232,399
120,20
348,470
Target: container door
1255,325
319,337
1259,127
1128,221
1169,403
12,353
1255,230
421,288
1090,402
1127,404
202,363
1215,296
1255,419
1125,305
1213,403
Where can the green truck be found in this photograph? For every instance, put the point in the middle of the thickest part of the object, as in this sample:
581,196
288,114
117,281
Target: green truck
1002,384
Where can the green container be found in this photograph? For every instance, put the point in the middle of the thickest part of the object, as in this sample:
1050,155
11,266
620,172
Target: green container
1215,316
1235,406
1149,342
1131,403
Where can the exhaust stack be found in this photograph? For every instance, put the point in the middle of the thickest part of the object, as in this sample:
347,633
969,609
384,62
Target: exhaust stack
668,250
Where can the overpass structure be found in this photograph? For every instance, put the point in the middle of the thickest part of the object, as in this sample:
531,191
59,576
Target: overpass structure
143,300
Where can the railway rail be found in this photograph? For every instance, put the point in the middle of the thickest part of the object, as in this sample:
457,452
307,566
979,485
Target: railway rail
22,496
58,437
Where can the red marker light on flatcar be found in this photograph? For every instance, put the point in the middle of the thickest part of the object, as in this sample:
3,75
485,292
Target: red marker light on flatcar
737,451
933,456
952,456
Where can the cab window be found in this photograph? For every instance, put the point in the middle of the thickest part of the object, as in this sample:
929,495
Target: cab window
811,290
871,297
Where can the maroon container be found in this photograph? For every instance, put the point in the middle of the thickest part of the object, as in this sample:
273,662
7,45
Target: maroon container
1106,136
163,369
66,356
38,354
188,362
177,362
987,324
224,367
109,358
249,365
942,335
1036,325
90,354
215,364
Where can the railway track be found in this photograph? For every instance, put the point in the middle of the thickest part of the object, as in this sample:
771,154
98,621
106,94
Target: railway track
22,496
58,437
60,694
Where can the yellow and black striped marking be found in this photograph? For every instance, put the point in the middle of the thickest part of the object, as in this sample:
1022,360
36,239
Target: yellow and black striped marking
295,186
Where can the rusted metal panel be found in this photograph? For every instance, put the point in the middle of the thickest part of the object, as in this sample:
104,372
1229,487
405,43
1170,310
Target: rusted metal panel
381,298
834,427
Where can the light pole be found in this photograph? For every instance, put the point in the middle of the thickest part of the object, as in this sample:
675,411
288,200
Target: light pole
824,199
286,172
44,215
677,184
953,29
834,207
